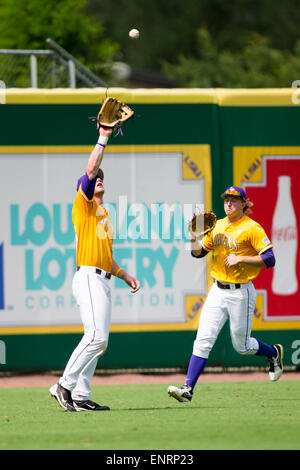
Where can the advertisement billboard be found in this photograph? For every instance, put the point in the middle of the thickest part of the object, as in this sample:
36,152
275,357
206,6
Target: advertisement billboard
150,193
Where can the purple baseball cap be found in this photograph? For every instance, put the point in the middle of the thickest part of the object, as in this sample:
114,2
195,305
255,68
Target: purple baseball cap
100,175
235,191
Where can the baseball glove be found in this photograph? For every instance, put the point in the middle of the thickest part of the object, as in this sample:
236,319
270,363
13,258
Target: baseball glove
201,224
113,114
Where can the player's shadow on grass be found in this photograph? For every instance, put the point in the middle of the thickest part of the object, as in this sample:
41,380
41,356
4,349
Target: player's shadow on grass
170,408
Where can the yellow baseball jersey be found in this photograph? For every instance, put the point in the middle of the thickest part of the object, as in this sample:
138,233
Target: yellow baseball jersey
244,237
94,233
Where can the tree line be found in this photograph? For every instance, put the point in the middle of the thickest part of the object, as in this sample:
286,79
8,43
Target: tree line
200,43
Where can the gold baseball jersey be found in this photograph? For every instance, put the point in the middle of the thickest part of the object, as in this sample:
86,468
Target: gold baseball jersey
244,237
94,233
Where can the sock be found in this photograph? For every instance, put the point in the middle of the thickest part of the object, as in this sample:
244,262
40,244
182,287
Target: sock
196,367
265,349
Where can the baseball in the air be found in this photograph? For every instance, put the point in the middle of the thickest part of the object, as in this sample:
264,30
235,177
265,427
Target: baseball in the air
134,33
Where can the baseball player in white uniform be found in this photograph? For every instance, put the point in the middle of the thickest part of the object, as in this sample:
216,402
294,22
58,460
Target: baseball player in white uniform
241,248
91,284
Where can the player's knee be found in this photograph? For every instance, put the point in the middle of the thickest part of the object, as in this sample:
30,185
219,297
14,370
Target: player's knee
244,346
201,349
242,350
98,343
101,351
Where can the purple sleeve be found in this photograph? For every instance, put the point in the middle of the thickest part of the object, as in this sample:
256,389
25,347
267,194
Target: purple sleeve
268,258
87,185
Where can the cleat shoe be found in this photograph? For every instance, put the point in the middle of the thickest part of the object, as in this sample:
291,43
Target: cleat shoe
182,394
275,362
88,405
63,396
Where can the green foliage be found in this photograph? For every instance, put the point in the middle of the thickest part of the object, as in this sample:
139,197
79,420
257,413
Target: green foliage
252,42
26,24
255,65
241,43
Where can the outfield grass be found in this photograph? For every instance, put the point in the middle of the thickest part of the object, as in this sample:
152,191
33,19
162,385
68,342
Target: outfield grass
233,416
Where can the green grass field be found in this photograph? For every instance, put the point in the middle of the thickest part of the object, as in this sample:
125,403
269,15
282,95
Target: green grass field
231,416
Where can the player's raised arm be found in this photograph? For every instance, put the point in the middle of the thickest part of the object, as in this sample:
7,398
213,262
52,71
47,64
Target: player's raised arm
97,153
111,117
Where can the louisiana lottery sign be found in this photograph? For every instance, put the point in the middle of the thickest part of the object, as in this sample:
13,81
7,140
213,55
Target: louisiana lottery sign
150,195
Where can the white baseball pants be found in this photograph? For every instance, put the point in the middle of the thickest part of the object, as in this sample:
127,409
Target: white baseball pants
93,295
237,305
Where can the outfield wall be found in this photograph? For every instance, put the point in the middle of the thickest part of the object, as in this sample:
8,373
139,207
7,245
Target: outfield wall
184,147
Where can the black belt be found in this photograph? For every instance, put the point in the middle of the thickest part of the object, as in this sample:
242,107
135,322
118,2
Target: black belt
98,271
227,286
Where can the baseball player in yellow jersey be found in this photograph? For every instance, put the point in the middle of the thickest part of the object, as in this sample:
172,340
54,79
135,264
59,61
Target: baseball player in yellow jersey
91,284
241,248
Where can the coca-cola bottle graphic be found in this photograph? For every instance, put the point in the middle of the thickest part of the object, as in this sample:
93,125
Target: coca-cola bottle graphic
284,240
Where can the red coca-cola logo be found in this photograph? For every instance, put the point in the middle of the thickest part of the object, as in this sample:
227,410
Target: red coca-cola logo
284,234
